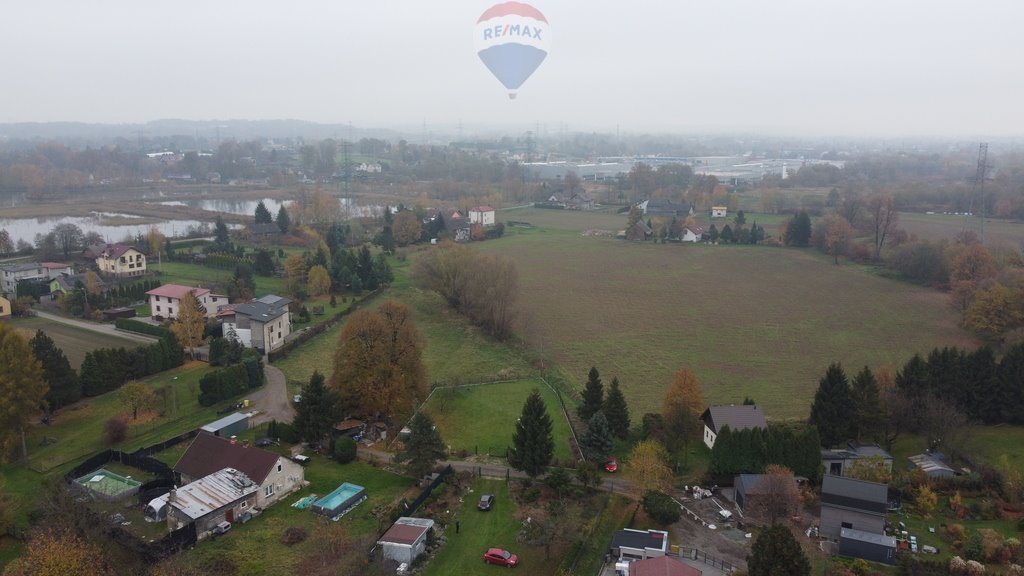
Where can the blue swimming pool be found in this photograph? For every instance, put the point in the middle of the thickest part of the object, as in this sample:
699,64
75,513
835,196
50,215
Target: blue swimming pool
341,499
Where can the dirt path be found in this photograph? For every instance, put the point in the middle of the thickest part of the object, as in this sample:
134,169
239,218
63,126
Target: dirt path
108,329
272,399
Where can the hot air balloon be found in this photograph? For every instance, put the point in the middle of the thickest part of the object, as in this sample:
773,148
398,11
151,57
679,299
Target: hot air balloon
512,40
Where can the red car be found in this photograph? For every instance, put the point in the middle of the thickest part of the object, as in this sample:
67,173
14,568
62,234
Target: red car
501,557
611,465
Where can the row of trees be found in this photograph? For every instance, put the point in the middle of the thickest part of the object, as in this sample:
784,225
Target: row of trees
607,417
794,446
232,380
483,288
106,369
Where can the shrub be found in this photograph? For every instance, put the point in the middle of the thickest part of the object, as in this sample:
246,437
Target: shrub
345,450
115,430
661,508
293,535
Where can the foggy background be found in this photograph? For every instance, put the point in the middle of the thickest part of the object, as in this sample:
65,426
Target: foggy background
814,67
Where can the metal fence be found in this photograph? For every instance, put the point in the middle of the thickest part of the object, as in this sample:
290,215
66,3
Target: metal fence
702,556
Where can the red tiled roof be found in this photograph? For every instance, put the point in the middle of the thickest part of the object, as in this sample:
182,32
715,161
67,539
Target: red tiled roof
403,534
208,454
662,566
116,250
177,291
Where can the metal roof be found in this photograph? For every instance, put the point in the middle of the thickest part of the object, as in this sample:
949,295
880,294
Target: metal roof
225,421
211,493
260,311
736,417
862,536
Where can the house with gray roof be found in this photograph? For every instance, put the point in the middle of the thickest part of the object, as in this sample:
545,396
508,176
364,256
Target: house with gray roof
221,496
735,417
263,323
851,503
841,461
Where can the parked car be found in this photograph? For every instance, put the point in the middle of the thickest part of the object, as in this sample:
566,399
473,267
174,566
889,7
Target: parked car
264,442
222,527
486,501
501,557
300,459
612,465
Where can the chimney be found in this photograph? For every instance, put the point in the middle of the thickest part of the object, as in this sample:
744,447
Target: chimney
234,439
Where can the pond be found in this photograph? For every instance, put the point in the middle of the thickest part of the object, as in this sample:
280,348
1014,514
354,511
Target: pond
349,206
27,228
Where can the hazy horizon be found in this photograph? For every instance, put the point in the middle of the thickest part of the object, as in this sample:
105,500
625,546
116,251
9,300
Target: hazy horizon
797,68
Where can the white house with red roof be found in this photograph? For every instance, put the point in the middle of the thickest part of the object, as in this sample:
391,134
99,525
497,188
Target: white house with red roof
483,215
121,260
165,301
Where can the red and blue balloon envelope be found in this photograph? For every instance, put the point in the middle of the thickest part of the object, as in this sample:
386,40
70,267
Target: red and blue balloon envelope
512,40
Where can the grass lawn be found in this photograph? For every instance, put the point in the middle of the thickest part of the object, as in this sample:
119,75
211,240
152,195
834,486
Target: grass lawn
747,320
947,226
77,431
478,531
213,278
74,341
483,418
256,548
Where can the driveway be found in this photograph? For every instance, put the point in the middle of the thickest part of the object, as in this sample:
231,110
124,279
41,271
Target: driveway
272,399
108,329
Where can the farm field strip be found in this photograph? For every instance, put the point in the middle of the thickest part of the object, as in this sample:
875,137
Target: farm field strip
74,341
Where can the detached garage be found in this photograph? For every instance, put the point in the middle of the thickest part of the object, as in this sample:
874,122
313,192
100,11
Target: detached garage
406,539
873,547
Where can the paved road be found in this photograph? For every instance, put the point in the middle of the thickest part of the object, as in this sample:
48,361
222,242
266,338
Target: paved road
272,399
108,329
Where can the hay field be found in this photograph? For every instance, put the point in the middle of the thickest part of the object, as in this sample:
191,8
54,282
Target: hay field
748,320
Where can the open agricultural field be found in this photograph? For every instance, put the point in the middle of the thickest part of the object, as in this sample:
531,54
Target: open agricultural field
481,419
947,226
748,320
74,341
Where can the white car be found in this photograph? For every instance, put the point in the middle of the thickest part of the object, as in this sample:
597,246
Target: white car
297,398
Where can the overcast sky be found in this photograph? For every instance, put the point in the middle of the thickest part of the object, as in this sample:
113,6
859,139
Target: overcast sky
833,67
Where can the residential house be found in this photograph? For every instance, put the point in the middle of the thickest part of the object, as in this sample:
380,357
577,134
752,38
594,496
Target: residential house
121,261
406,539
575,200
748,491
662,566
851,503
483,215
263,323
5,308
67,283
692,234
637,232
93,251
165,301
12,274
263,231
933,464
275,475
735,417
665,208
633,544
719,211
841,461
220,496
372,168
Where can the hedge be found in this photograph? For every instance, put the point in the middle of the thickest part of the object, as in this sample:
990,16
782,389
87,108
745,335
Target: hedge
231,381
106,369
141,327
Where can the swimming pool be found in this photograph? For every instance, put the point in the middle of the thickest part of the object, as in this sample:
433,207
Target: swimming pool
340,500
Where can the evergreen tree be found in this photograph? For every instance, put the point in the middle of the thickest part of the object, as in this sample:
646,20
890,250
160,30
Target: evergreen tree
264,263
593,396
65,387
776,552
832,411
220,233
364,268
867,404
532,443
91,378
616,410
1010,387
423,448
727,235
318,411
713,233
912,380
262,214
597,443
798,231
284,222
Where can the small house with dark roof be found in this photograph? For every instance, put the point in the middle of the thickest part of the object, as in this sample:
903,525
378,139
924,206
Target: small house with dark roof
841,461
263,324
662,566
68,282
634,544
406,539
747,490
867,545
735,417
275,475
851,503
121,261
221,496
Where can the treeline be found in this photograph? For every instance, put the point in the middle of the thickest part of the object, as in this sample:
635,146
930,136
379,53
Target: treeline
795,446
233,380
483,288
140,327
106,369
